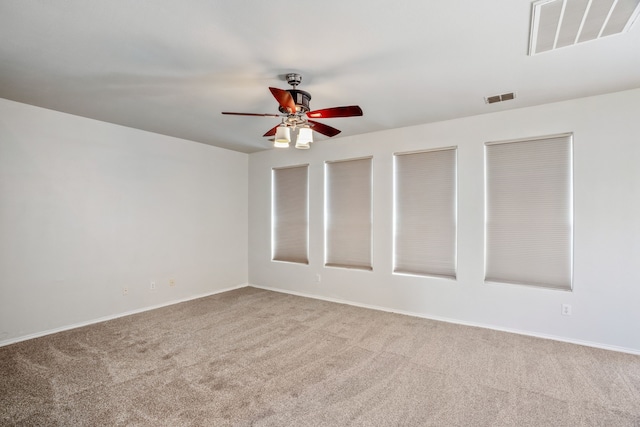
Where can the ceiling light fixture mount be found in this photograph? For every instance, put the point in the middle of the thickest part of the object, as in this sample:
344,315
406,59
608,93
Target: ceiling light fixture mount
295,113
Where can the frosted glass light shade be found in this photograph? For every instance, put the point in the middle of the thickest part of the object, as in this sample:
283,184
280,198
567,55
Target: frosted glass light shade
305,137
283,137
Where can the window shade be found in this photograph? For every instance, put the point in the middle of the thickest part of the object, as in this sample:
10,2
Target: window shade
348,214
425,213
290,218
529,212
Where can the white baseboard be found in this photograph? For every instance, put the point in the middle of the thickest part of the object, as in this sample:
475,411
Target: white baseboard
323,298
455,321
115,316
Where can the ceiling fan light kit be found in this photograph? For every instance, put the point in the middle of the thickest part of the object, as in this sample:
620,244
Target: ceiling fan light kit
293,105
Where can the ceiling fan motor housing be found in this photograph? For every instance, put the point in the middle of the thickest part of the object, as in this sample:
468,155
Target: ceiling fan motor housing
301,98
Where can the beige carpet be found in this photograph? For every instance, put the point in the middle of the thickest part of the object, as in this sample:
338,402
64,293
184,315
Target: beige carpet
254,357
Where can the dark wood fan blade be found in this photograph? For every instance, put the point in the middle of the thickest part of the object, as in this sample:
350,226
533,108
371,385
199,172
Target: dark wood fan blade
284,98
329,113
252,114
323,129
272,131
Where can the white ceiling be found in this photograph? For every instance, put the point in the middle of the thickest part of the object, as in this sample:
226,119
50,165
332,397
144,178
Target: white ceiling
171,66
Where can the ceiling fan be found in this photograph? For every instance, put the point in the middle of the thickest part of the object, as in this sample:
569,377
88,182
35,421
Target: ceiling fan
296,114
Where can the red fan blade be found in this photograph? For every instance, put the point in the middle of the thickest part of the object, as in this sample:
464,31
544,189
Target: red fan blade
252,114
323,129
272,131
285,99
329,113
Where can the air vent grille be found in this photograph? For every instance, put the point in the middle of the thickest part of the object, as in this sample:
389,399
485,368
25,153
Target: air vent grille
560,23
499,98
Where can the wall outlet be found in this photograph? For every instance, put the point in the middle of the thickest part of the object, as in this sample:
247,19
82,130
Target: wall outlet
152,286
318,278
172,282
566,309
125,291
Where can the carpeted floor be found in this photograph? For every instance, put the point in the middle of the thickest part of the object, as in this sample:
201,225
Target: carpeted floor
255,357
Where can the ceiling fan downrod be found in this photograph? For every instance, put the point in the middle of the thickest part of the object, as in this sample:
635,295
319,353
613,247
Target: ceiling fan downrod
294,79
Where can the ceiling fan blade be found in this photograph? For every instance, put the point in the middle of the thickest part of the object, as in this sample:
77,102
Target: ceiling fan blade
329,113
323,129
284,98
272,131
252,114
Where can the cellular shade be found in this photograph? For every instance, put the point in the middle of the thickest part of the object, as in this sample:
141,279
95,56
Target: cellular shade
290,217
425,213
348,213
529,212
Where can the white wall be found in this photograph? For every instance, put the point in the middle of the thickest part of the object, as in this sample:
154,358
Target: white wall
606,294
87,208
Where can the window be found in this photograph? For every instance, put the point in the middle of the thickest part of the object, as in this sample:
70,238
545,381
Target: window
348,213
425,213
529,212
290,217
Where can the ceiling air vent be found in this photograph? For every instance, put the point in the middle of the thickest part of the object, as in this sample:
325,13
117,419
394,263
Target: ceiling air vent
560,23
499,98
